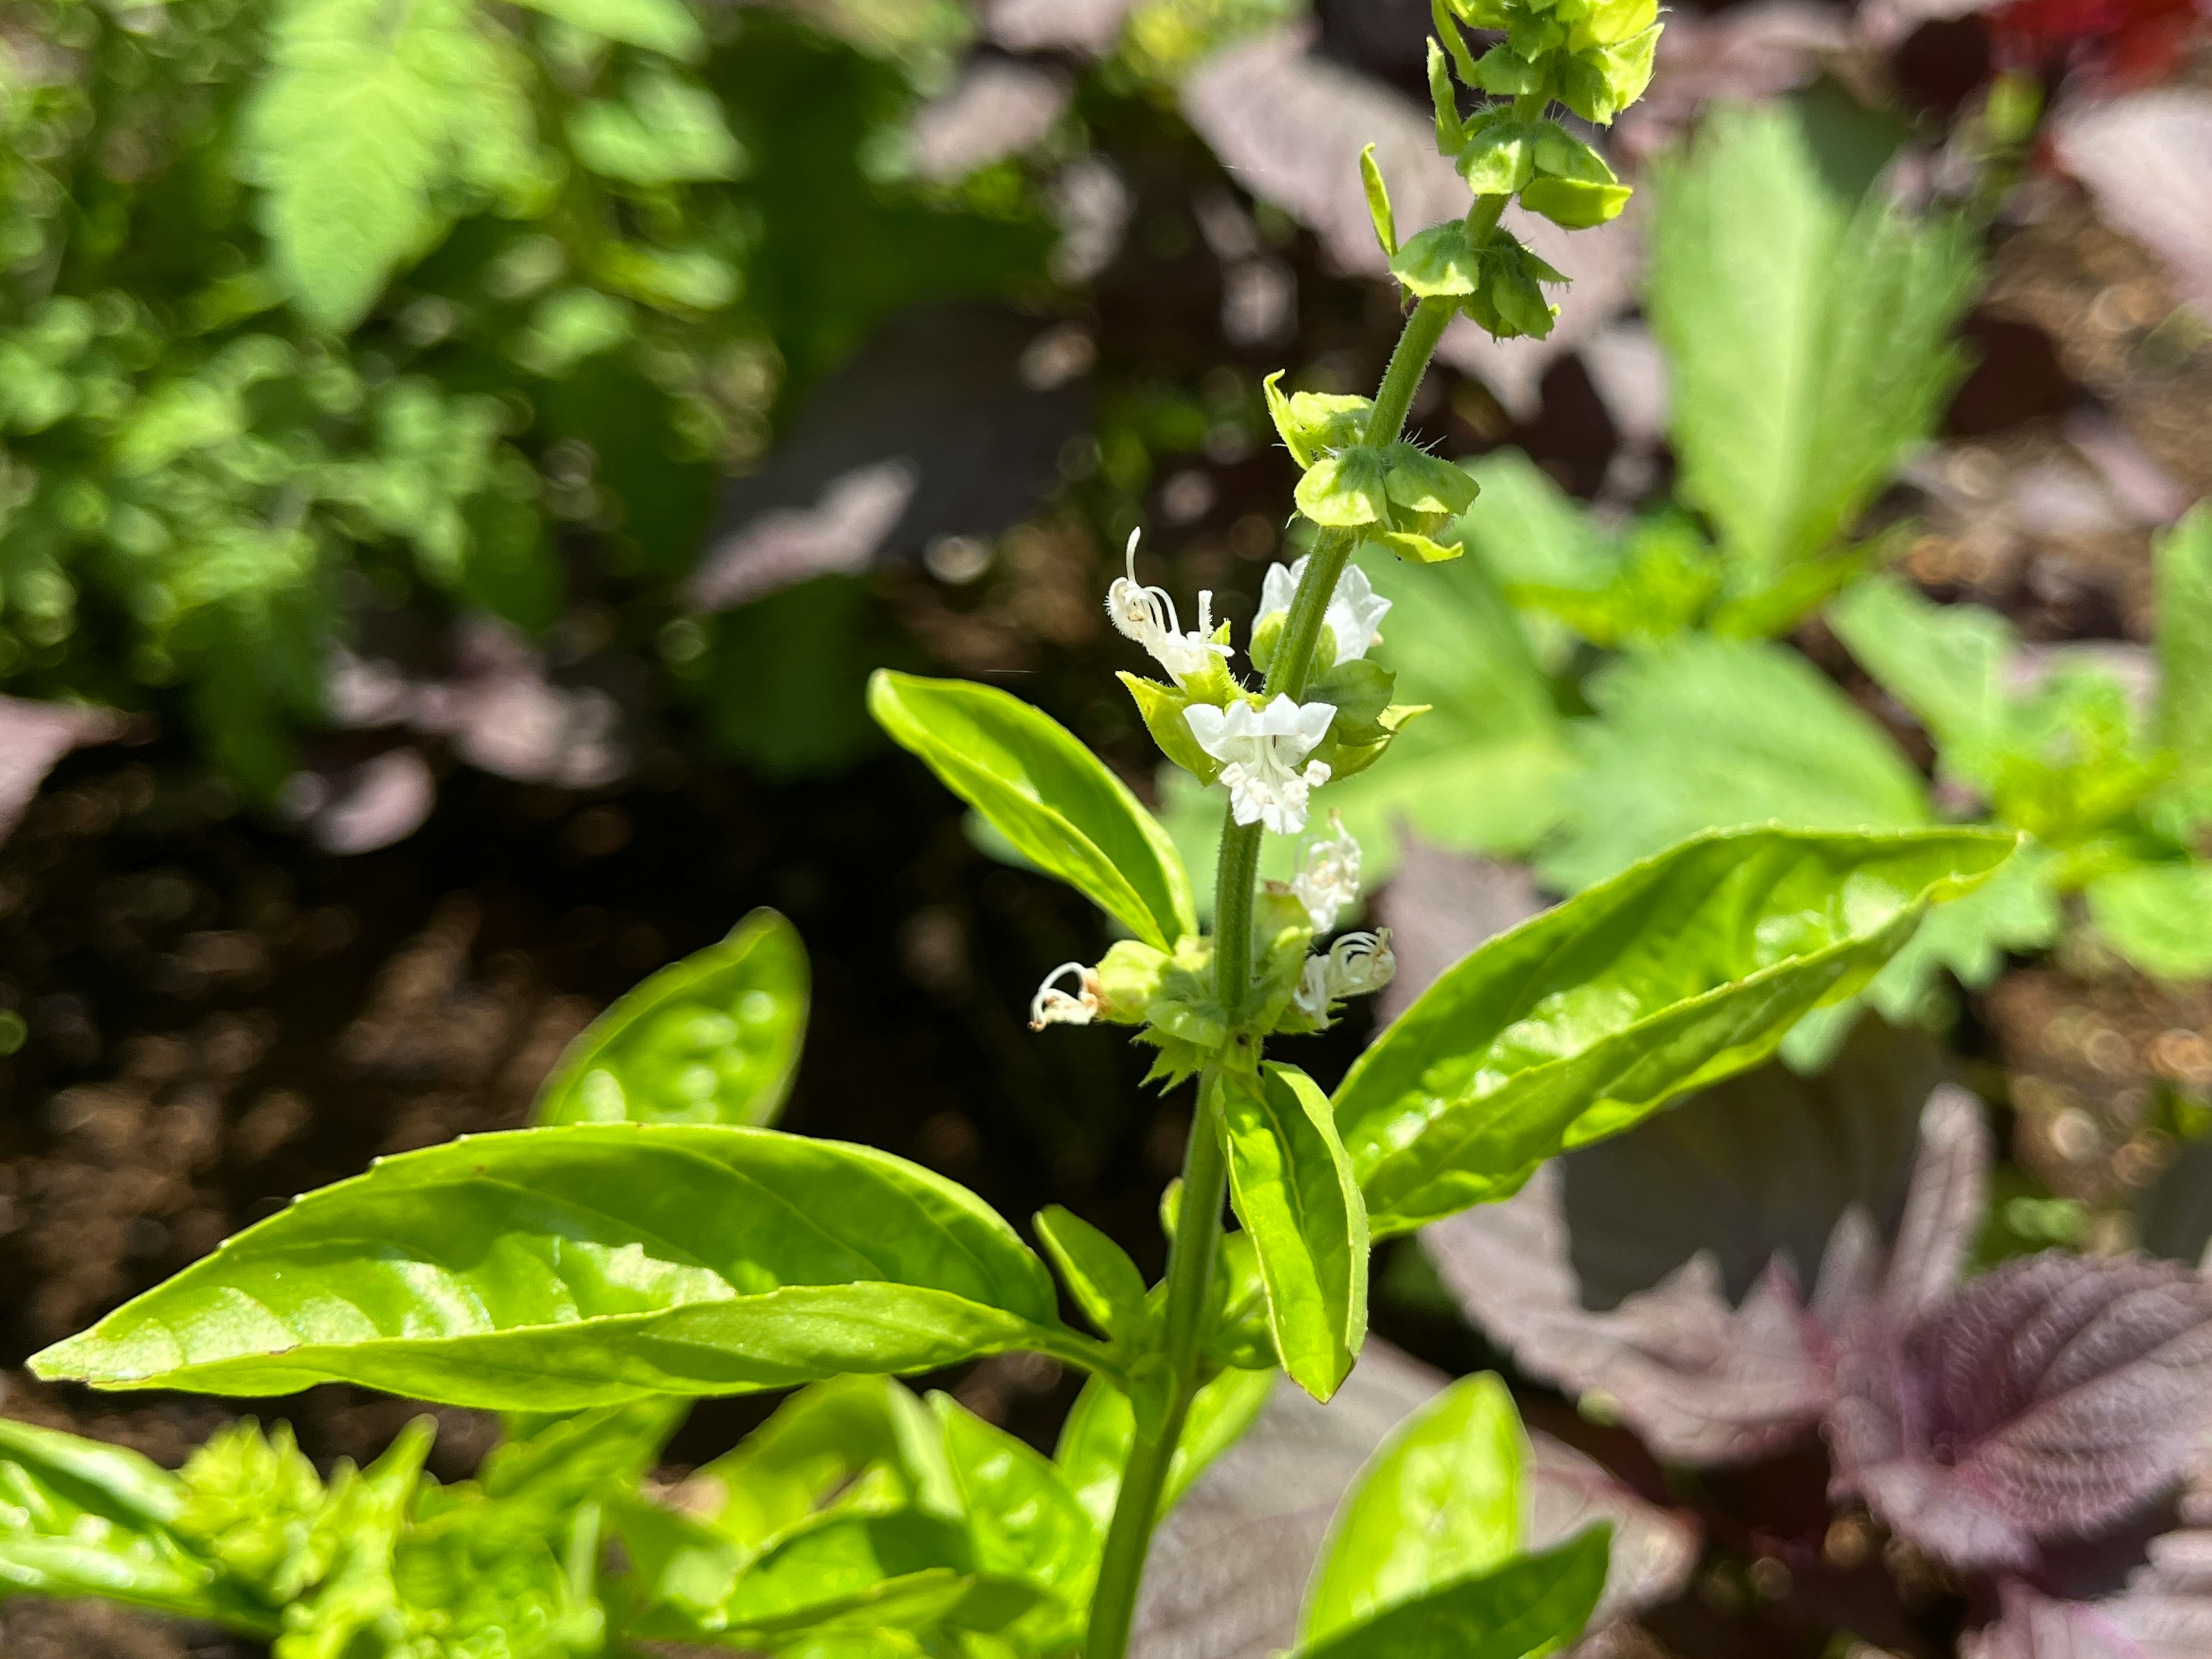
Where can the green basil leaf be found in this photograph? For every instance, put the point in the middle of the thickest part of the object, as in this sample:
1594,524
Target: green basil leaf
1294,1190
1440,1499
560,1462
1535,1605
859,1443
1674,973
2158,916
584,1265
1097,1272
1101,1427
1047,793
711,1039
1025,1520
79,1519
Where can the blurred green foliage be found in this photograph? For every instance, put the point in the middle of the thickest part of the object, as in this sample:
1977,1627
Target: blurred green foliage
311,304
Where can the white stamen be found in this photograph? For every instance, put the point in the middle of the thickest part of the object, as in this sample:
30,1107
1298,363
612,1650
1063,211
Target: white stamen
1355,610
1147,615
1261,749
1356,965
1327,878
1053,1006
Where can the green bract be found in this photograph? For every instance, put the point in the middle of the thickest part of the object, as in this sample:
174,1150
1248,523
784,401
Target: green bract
1488,274
562,1267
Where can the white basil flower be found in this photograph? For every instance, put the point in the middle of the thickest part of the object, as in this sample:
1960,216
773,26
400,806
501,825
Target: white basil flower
1261,750
1355,610
1327,878
1053,1006
1147,615
1357,965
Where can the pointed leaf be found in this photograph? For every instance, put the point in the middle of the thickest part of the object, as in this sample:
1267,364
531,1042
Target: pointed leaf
1947,663
711,1039
1097,1272
1676,974
1808,337
585,1265
2044,1400
1293,1189
1532,1606
1440,1499
1047,793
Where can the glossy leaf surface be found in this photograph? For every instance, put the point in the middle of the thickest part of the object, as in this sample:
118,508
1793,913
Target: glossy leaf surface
79,1519
1294,1190
711,1039
1535,1605
1095,1441
1047,793
1025,1520
1440,1499
1096,1271
1676,973
585,1265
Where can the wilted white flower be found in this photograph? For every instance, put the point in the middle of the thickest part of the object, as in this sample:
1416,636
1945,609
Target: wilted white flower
1327,878
1355,610
1053,1006
1261,749
1147,615
1356,965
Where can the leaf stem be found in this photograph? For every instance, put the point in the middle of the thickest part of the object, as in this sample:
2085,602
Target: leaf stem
1204,1169
1190,1282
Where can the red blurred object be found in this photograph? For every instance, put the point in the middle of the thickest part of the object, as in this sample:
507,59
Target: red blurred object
2115,44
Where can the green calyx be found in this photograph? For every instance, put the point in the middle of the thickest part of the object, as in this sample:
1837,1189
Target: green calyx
1396,493
1495,278
1315,423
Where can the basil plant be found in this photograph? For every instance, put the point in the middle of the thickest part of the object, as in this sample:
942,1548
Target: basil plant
654,1239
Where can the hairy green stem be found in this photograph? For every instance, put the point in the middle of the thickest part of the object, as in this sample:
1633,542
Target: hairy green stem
1205,1171
1190,1282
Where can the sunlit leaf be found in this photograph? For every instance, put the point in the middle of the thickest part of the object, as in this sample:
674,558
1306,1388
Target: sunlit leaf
1440,1499
1596,1013
1047,793
711,1039
585,1265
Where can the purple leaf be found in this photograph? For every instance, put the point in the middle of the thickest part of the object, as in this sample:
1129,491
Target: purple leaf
2147,162
2043,1401
33,736
1659,1270
2166,1608
2032,1626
